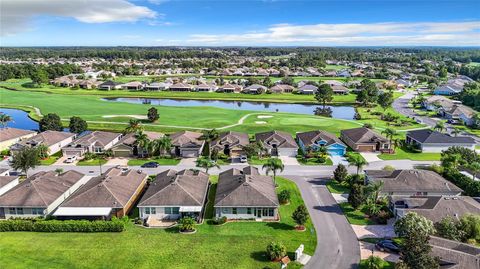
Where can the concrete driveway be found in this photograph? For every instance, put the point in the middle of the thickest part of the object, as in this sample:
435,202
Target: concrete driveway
288,160
368,249
374,231
370,157
61,161
117,161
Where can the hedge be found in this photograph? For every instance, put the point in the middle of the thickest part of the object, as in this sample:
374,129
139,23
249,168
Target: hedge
52,226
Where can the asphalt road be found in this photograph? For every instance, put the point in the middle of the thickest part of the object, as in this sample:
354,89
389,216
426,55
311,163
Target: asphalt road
337,245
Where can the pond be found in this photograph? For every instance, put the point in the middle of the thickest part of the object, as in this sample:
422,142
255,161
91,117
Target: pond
338,112
20,119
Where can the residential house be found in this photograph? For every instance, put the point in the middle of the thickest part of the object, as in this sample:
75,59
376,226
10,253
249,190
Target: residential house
88,83
132,86
10,136
344,74
187,144
54,140
181,87
109,85
278,143
40,194
461,113
365,140
7,182
412,182
340,89
230,143
255,89
454,254
206,87
282,88
317,139
453,86
437,103
230,88
114,193
245,194
174,195
157,86
94,142
127,146
308,89
432,141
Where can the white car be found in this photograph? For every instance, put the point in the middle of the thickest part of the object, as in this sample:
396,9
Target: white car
71,159
243,159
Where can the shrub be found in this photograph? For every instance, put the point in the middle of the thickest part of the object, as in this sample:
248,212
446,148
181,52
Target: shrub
368,125
218,221
80,226
284,196
276,251
374,262
356,196
340,174
187,224
388,168
321,159
300,216
382,217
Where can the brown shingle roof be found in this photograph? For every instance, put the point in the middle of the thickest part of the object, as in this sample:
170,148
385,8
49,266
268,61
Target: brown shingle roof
112,189
4,180
12,133
233,139
41,189
281,139
98,138
47,138
185,138
245,187
172,188
310,138
130,139
363,135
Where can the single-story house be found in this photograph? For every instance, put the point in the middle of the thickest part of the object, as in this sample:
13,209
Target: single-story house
40,194
432,141
365,140
340,89
344,73
308,89
278,143
187,144
230,143
94,142
109,85
461,113
88,83
282,88
10,136
157,86
181,87
245,194
436,102
255,89
174,195
412,182
54,140
206,87
114,193
7,182
454,254
435,208
230,88
319,138
127,146
133,85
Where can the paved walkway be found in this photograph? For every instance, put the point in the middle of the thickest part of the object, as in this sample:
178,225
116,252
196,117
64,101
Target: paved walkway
336,160
289,160
117,161
375,231
371,157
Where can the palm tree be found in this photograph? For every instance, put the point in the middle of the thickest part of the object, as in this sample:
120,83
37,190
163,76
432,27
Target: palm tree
475,169
456,132
358,161
396,143
208,136
134,125
440,126
206,163
452,161
151,148
164,144
5,119
389,133
374,190
42,151
273,165
142,141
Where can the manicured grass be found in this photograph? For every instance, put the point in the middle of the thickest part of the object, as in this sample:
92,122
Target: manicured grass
233,245
335,187
160,161
51,159
402,154
385,265
91,162
356,217
257,161
313,161
367,117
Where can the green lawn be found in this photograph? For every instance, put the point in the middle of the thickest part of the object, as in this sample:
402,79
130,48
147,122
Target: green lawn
160,161
356,217
233,245
335,187
51,159
313,161
92,162
402,154
367,117
257,161
385,265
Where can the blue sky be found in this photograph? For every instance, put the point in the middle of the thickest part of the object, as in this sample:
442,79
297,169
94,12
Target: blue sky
245,23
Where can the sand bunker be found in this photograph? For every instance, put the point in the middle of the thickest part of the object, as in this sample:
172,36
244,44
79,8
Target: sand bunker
139,117
260,122
264,117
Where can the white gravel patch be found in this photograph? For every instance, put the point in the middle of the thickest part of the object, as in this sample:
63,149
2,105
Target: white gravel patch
140,117
260,122
264,117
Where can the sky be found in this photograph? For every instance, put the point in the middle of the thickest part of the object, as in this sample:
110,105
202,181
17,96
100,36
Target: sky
239,23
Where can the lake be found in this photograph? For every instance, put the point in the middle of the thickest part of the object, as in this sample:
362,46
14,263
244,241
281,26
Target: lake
20,119
338,112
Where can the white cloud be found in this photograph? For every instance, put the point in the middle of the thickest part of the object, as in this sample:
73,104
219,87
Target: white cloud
372,34
16,15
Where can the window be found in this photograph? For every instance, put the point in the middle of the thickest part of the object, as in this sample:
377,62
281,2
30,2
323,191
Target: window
271,212
249,210
385,146
147,210
172,210
153,210
225,210
234,210
98,150
19,211
265,212
37,211
12,211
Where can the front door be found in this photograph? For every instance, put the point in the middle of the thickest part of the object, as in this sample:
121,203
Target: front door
2,213
259,212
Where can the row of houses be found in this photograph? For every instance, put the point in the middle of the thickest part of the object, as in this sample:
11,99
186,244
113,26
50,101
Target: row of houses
450,109
242,193
453,86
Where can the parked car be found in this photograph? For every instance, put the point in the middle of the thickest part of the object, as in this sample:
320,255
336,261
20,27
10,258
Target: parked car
71,159
387,246
150,165
243,159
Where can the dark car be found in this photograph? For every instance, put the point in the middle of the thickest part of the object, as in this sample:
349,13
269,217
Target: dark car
150,165
388,246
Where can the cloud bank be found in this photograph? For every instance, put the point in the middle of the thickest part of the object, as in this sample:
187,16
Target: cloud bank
16,15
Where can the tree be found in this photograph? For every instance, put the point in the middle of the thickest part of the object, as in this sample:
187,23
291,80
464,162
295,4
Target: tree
357,160
276,251
152,114
164,144
324,94
356,197
374,262
439,126
340,173
42,151
273,165
449,228
474,168
5,119
25,159
39,76
451,161
284,196
368,94
208,136
134,126
50,122
470,225
186,224
456,131
206,163
389,133
373,189
300,216
141,141
77,125
385,100
415,231
267,82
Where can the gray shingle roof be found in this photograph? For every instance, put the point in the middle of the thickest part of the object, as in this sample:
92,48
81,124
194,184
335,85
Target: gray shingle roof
185,138
233,139
47,138
281,139
4,180
310,138
98,138
434,137
245,187
12,133
363,135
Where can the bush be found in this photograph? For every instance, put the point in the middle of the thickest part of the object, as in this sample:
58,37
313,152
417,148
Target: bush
368,125
218,221
187,224
52,226
382,217
340,174
374,262
284,196
321,159
276,251
356,196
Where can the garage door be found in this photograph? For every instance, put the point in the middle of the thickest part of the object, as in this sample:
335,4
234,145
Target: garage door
366,148
189,153
121,153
